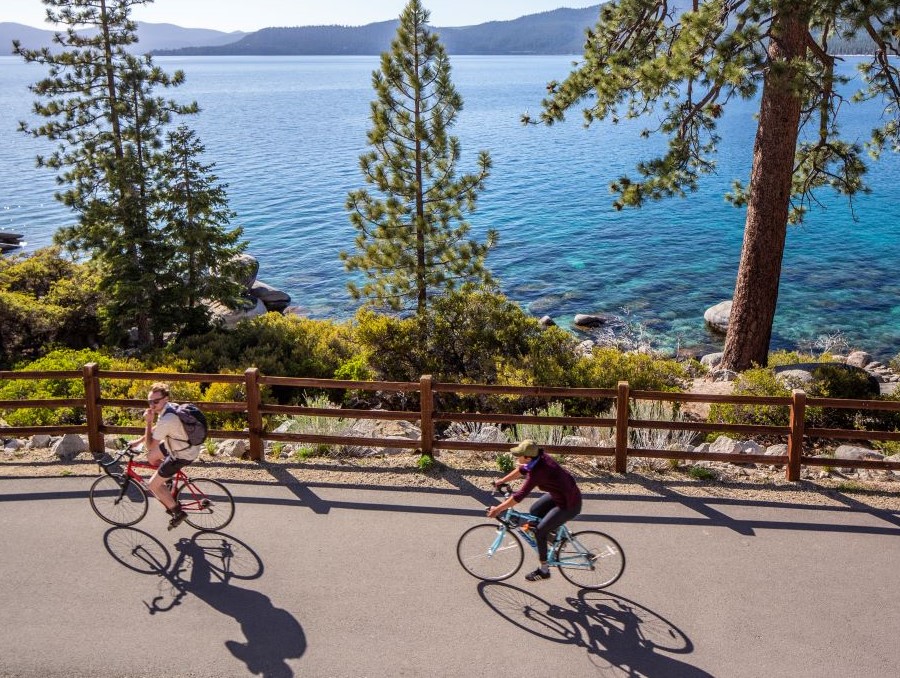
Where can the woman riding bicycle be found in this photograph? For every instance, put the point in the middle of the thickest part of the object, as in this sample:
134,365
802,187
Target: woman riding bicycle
561,503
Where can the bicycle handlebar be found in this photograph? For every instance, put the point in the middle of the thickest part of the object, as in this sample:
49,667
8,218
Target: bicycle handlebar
504,489
126,450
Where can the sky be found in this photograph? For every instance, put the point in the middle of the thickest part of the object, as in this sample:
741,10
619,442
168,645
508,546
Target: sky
244,15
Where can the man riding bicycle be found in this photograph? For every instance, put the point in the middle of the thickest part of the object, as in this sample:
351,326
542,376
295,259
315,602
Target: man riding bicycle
561,503
167,447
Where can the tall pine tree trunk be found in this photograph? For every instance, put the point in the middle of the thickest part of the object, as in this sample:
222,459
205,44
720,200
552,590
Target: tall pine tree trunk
756,289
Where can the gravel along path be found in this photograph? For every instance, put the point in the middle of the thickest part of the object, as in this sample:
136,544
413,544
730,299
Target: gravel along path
466,471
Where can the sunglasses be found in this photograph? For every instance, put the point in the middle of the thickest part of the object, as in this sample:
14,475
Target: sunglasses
153,401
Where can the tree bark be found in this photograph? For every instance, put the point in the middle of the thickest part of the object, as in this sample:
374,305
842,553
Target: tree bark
756,288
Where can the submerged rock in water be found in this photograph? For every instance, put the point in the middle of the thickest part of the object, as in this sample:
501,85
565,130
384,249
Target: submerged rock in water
717,316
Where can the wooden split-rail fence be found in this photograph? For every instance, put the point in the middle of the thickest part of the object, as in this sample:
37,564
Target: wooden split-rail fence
796,432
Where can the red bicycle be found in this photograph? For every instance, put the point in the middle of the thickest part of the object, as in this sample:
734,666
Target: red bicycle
121,497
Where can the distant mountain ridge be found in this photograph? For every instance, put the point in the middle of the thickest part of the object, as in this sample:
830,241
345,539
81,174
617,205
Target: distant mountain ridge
151,37
559,31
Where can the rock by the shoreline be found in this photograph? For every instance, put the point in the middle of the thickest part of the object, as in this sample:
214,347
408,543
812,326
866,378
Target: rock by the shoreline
717,316
859,359
712,360
547,321
274,299
249,269
589,320
250,307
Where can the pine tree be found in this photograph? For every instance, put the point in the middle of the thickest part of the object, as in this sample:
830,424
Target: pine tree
643,58
413,241
192,210
98,105
151,216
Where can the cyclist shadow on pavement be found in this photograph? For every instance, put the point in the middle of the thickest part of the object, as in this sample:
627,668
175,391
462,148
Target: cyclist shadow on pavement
622,638
206,566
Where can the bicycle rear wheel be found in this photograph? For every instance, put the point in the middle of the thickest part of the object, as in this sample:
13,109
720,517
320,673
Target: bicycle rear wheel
207,503
489,552
591,560
117,499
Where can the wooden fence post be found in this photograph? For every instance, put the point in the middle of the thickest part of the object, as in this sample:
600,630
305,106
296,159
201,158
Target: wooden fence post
92,411
795,440
254,418
426,409
622,427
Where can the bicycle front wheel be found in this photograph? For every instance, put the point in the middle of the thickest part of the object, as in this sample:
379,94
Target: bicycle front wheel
117,499
591,560
490,552
207,503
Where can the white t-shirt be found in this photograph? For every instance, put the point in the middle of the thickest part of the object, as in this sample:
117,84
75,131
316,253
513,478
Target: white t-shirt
169,430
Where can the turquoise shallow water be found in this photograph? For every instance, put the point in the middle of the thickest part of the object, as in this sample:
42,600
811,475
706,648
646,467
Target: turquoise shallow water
286,134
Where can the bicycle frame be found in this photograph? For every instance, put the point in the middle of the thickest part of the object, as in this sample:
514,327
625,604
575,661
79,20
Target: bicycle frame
515,520
197,502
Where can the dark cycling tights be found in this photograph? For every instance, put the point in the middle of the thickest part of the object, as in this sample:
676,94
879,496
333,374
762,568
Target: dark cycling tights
552,516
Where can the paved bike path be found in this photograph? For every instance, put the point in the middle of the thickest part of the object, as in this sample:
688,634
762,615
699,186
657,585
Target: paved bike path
363,581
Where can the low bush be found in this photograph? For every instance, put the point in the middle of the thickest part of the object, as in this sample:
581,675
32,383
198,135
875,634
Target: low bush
754,382
46,300
44,389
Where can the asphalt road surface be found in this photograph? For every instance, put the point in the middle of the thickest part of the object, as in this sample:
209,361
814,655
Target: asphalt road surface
363,581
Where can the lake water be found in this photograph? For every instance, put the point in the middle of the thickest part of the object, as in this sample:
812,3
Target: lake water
286,134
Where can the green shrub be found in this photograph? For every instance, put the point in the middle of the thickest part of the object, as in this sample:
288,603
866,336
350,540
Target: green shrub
46,300
276,344
701,473
754,382
316,424
42,389
505,462
425,463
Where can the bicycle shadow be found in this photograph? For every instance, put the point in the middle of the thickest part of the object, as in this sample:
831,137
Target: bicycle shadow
621,637
206,566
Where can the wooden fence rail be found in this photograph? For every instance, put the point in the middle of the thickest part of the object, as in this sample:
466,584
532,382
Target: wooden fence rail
93,403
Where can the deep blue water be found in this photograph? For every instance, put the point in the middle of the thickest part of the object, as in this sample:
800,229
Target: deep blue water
286,134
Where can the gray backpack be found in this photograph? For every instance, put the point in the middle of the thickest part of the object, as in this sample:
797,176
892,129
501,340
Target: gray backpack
192,420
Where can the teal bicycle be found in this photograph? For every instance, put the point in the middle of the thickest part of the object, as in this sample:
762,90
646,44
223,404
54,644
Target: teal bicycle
491,552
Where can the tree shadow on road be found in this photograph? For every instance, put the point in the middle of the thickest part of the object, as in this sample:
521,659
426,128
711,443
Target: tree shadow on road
206,566
621,637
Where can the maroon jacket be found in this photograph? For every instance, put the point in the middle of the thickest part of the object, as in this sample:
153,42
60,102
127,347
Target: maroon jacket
549,476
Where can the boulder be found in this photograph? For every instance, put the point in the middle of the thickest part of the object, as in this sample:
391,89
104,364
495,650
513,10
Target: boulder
723,375
795,378
69,446
779,450
13,444
712,360
859,359
547,321
817,371
39,442
274,299
236,449
588,320
249,307
857,453
249,269
752,447
717,316
584,348
390,430
726,445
